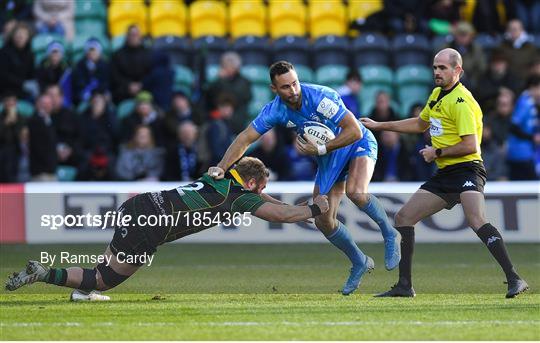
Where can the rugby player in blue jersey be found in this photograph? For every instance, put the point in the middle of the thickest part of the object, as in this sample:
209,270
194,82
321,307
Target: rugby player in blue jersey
346,163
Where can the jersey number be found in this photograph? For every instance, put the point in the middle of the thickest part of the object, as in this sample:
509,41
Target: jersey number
191,187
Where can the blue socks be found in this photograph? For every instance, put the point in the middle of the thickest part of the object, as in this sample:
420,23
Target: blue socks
375,211
343,240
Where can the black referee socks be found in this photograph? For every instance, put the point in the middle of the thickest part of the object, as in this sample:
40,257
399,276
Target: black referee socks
495,244
56,276
407,249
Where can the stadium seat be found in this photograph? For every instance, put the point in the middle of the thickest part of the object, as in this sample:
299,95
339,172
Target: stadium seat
183,79
90,27
257,74
371,48
368,95
117,42
66,173
261,95
177,48
90,9
168,18
25,108
359,10
213,47
252,49
376,74
293,49
212,72
332,76
208,18
40,42
330,50
440,41
488,42
411,49
122,14
287,19
125,108
247,18
305,74
327,18
414,83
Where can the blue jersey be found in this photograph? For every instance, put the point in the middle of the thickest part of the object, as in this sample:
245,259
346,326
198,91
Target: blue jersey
525,117
323,105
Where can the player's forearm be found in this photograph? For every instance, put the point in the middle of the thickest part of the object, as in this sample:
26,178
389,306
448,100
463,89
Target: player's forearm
462,148
294,214
410,125
271,199
346,137
234,152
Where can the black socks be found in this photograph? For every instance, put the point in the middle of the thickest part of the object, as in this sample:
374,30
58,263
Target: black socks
56,276
495,244
407,250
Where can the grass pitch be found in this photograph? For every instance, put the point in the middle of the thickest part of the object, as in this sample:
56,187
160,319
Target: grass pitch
280,292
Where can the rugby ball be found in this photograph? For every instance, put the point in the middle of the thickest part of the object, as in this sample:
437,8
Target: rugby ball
316,133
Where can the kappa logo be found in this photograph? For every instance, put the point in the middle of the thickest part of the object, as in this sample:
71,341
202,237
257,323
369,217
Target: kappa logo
468,184
290,124
460,99
492,239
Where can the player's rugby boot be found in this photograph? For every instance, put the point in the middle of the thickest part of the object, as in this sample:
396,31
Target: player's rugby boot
356,276
398,290
515,287
34,272
79,295
392,251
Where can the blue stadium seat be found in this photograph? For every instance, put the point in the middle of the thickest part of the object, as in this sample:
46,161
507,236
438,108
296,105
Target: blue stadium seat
438,42
332,76
261,95
414,83
212,46
305,73
183,79
40,42
89,27
125,108
293,49
411,49
178,48
371,48
257,74
253,49
85,9
66,173
369,93
535,39
330,50
377,74
488,42
212,72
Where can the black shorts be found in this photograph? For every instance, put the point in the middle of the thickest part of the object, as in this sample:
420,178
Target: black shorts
132,240
449,182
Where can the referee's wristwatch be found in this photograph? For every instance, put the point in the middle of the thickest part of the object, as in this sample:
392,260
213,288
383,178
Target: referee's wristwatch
438,152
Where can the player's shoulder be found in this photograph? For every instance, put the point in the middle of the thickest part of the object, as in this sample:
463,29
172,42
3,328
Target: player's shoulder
315,90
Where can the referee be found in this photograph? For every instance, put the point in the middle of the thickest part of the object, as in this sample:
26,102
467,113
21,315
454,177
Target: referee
454,119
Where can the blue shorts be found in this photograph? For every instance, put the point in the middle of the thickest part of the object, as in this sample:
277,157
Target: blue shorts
334,167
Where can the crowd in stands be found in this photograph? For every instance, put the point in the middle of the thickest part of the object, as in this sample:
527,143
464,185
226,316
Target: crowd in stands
123,107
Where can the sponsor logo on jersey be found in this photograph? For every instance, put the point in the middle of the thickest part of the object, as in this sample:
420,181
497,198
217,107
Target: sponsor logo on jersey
435,129
327,108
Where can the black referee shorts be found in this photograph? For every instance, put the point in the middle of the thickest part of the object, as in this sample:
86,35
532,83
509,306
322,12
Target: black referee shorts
131,239
450,181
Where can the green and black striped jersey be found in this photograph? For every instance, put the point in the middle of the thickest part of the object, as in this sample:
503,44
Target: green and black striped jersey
200,205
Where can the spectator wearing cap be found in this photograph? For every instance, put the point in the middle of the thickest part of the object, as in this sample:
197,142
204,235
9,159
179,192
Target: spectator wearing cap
55,17
474,59
53,67
237,87
350,90
129,66
145,113
16,62
518,50
91,73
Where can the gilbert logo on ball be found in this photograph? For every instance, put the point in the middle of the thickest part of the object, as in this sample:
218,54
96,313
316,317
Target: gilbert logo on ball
316,132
